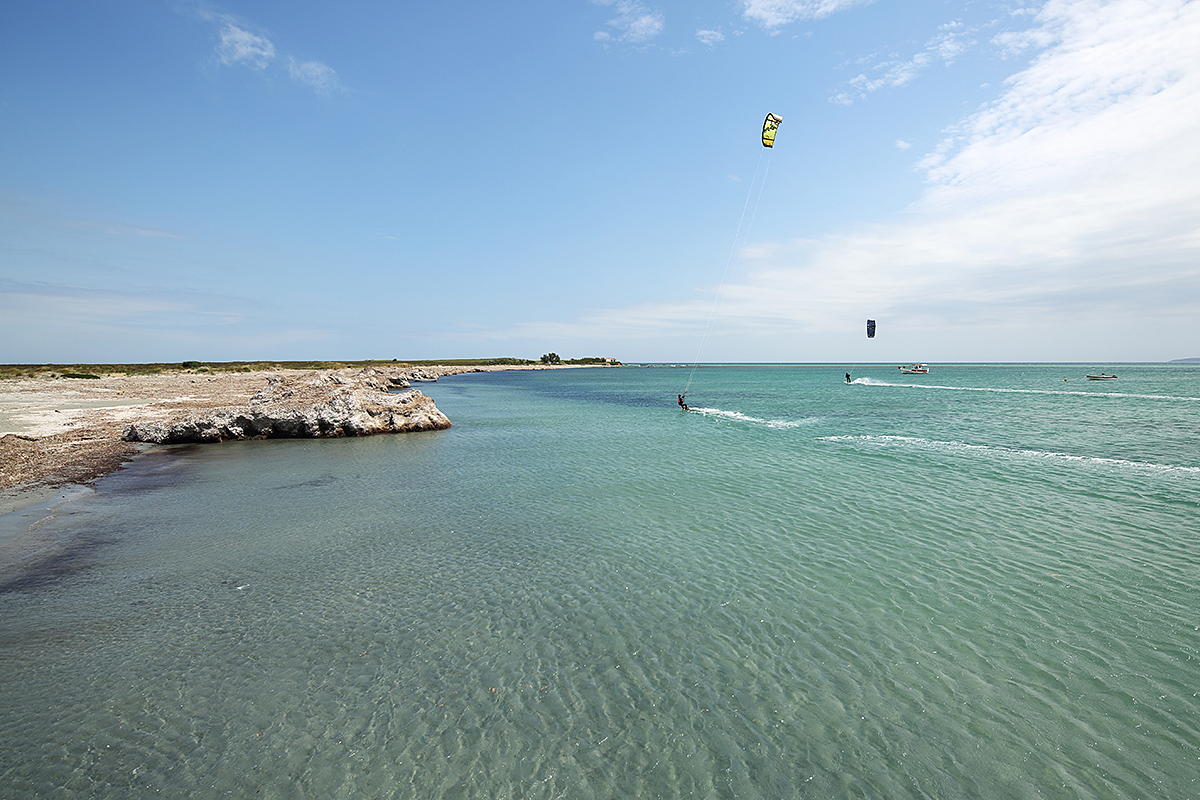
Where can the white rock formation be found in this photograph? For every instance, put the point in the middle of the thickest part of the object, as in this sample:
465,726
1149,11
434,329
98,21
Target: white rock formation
316,405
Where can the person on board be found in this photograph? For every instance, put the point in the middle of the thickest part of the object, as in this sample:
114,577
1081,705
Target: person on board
682,404
847,377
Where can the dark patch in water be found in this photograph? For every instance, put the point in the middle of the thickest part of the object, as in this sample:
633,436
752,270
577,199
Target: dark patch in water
72,560
148,473
324,480
55,556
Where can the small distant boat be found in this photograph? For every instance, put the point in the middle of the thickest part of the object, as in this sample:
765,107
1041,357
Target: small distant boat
914,369
1101,377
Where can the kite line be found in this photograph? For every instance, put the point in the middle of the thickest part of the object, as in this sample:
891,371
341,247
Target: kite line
770,126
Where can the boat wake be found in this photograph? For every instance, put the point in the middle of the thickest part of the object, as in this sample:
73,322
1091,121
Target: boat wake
737,416
919,443
872,382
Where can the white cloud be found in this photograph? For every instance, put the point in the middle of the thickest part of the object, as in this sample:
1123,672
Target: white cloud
319,76
240,46
902,145
1079,185
776,13
634,22
1063,216
1121,81
953,40
710,37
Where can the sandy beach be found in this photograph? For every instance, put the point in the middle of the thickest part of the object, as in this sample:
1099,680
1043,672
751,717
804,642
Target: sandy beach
60,431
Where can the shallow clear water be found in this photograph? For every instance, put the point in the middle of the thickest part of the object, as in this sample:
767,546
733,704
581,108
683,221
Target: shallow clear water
976,583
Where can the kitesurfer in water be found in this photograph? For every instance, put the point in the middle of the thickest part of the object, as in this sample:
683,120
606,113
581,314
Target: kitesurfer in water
682,404
847,377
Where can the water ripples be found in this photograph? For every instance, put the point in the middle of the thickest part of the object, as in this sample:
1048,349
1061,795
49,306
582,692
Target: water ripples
616,605
991,450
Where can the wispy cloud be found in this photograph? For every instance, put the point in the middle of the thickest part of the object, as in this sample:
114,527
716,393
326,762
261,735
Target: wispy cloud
119,229
777,13
634,23
240,46
32,212
320,77
710,37
75,323
952,40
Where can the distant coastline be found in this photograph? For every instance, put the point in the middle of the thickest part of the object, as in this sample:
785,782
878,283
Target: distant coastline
1184,361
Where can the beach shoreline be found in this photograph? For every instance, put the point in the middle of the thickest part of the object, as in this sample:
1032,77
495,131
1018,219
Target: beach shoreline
60,432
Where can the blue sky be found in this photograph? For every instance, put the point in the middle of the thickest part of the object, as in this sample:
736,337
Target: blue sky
991,181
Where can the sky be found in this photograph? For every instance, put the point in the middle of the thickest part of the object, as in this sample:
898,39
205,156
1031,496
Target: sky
990,181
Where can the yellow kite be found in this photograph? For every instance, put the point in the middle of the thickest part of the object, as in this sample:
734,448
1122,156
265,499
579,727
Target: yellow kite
769,127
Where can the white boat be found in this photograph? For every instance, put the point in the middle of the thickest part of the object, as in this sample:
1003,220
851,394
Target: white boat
914,369
1101,377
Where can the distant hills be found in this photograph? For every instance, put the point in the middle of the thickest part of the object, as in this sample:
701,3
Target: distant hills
1184,361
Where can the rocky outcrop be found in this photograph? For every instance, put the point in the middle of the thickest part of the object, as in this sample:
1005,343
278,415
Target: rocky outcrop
315,405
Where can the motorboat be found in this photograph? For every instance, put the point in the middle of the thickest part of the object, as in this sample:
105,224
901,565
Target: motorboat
1101,377
914,369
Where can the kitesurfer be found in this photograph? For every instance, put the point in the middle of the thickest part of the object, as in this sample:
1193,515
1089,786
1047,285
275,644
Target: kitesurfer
847,377
682,404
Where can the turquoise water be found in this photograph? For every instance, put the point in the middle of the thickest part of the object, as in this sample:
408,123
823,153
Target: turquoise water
976,583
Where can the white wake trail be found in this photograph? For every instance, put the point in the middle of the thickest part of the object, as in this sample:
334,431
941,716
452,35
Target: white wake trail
738,416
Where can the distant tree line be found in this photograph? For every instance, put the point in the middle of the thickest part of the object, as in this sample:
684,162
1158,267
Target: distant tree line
554,358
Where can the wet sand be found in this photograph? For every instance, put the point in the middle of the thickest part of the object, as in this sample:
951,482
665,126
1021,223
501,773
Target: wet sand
60,431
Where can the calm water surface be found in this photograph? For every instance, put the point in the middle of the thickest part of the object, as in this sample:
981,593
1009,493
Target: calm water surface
976,583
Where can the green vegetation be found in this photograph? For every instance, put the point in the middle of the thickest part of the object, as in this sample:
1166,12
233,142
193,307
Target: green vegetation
79,375
591,360
554,358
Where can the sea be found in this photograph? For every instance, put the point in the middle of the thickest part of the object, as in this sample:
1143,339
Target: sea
981,582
